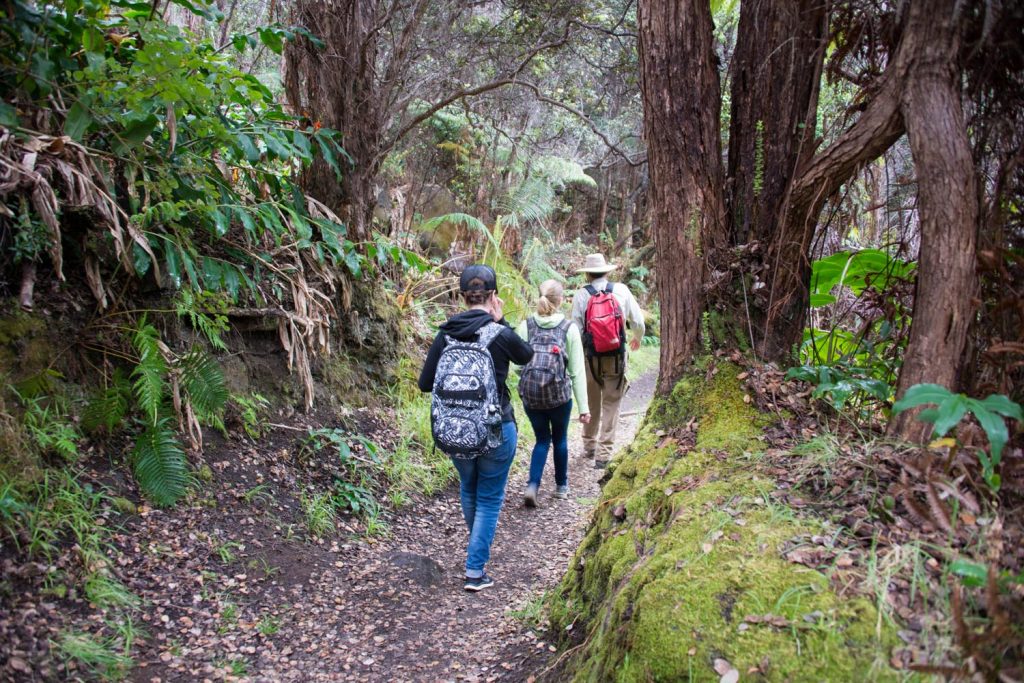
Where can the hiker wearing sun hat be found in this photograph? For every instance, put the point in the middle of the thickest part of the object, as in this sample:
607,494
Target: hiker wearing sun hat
599,309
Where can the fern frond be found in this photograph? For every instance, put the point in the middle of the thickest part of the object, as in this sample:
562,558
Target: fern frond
107,409
149,374
532,201
211,327
465,219
563,172
159,464
203,383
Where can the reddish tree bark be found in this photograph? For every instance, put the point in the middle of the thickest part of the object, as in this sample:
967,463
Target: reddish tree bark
681,98
948,209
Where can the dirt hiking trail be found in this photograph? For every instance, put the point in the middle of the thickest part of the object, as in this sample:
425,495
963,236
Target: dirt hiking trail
394,609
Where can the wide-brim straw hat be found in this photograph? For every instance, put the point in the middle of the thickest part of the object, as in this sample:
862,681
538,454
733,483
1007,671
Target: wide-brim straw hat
595,263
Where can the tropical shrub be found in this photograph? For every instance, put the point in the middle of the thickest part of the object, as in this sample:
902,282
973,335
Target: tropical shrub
951,408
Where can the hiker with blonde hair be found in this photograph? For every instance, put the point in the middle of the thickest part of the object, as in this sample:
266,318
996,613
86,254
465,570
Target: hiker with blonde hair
548,384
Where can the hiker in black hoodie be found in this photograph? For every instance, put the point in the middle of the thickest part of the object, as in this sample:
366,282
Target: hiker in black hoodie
482,478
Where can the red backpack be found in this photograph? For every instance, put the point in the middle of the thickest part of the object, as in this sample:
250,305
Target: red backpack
604,328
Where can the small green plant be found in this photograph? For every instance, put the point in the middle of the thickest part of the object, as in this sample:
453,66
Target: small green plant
990,413
319,512
532,613
226,551
228,617
127,631
99,657
758,157
841,383
47,422
376,525
268,625
358,499
258,495
106,591
236,666
252,409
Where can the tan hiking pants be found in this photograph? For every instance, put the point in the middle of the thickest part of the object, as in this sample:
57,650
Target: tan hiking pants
605,401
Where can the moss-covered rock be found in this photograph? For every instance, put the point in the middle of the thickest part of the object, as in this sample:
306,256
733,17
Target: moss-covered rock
686,543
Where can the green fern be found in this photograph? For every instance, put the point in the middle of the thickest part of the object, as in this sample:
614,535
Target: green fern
198,307
108,408
203,383
149,374
159,464
533,201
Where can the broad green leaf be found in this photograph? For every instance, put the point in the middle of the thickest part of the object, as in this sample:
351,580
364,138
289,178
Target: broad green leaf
995,429
77,121
172,264
249,150
1001,404
920,394
140,260
221,223
273,38
136,131
951,411
820,300
971,573
8,115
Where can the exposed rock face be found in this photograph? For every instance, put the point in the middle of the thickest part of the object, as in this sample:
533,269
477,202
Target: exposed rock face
682,571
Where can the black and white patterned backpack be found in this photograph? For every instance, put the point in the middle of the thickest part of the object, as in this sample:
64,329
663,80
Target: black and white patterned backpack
465,408
544,382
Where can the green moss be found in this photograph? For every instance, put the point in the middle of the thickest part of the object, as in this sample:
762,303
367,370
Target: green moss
680,551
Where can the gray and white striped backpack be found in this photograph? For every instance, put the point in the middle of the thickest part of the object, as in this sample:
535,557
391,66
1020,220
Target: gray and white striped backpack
465,407
544,382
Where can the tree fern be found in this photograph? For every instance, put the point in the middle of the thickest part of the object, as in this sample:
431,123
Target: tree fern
533,201
203,383
149,374
159,464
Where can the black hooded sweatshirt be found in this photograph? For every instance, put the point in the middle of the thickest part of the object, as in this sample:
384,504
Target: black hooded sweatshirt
506,347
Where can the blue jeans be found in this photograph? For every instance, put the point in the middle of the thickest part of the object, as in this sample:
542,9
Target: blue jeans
482,490
549,426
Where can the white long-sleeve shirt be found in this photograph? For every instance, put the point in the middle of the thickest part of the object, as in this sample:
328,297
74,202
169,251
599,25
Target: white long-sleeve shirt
630,308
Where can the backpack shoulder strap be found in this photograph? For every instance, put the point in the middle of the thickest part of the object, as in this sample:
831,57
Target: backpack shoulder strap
531,328
488,333
610,289
563,330
590,288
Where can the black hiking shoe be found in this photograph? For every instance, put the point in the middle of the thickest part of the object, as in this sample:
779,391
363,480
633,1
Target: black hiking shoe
479,583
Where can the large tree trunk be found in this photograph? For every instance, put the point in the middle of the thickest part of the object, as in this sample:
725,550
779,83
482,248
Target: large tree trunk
776,72
948,210
681,98
337,87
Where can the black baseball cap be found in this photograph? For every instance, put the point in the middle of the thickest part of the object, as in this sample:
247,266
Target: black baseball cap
478,278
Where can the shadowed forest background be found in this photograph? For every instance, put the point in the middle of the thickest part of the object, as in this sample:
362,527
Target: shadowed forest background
229,231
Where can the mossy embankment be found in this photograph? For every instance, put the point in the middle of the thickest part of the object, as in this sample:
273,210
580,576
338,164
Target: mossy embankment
686,543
